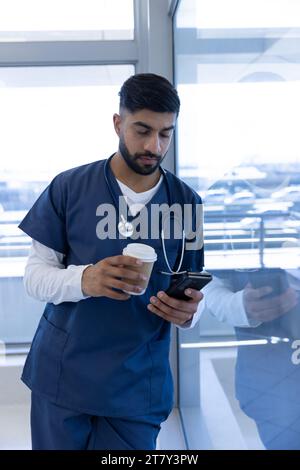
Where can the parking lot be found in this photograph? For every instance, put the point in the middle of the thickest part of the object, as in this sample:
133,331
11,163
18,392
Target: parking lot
244,220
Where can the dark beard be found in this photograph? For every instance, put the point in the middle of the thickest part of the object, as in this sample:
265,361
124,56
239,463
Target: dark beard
132,161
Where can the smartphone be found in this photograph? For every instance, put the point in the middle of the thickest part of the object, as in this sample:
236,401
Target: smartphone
273,277
194,280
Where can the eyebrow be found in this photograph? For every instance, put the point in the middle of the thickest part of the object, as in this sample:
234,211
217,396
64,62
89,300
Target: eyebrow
146,126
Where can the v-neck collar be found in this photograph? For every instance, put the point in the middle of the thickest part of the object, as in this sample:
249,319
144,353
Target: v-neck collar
134,195
116,190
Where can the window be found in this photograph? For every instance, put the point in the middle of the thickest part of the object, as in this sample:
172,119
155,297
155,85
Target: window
52,119
53,20
61,66
238,76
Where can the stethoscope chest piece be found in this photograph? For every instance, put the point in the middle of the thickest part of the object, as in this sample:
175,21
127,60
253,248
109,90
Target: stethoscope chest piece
125,228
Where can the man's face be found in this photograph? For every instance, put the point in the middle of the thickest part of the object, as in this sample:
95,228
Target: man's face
144,138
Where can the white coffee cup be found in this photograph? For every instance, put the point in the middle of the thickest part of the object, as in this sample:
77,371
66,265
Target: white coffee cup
148,256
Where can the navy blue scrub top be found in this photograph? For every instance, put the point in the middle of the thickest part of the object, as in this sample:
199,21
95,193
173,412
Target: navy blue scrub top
100,355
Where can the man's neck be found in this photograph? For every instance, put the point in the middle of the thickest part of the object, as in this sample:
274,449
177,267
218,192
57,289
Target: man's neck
136,182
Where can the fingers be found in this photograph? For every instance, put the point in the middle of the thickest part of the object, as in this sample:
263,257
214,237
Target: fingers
116,295
257,293
183,305
123,260
279,301
271,308
174,310
265,315
122,285
125,273
194,294
108,274
171,315
119,274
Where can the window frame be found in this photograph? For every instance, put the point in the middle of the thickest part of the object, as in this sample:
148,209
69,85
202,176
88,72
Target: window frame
76,52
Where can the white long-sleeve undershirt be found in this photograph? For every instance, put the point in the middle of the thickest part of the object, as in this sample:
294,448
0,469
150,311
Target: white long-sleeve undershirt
46,277
225,305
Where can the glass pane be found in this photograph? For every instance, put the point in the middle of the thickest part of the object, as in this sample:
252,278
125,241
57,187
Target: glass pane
238,147
52,119
57,20
220,14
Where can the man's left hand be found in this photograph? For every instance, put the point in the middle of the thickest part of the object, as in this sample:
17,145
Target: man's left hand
174,310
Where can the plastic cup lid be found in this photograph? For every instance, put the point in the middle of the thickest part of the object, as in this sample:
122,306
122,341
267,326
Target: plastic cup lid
141,251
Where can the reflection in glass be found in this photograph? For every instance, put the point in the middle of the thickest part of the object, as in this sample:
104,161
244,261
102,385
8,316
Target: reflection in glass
238,146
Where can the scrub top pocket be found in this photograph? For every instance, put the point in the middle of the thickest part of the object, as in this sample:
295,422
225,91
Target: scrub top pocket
46,351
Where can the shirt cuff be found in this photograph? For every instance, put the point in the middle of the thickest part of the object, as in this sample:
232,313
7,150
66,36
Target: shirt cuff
76,282
243,320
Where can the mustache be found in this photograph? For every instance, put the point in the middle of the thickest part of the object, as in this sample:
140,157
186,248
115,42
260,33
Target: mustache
148,154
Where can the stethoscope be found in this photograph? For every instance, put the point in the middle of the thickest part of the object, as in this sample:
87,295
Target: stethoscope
126,229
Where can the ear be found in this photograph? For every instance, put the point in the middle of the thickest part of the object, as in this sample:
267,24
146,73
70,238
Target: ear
117,123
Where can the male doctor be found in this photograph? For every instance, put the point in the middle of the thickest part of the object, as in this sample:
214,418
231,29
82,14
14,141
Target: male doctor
98,366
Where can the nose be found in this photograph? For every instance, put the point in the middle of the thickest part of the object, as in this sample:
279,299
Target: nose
153,144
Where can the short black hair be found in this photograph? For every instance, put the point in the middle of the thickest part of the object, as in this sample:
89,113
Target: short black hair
149,91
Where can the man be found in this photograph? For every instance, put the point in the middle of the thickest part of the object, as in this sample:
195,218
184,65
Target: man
98,367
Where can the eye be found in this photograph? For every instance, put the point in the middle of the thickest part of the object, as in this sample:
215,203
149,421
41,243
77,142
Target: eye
143,132
165,136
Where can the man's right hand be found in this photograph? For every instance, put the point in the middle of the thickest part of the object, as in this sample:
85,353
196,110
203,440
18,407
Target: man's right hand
111,273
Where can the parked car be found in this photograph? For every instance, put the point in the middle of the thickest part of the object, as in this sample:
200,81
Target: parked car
241,201
215,196
289,193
